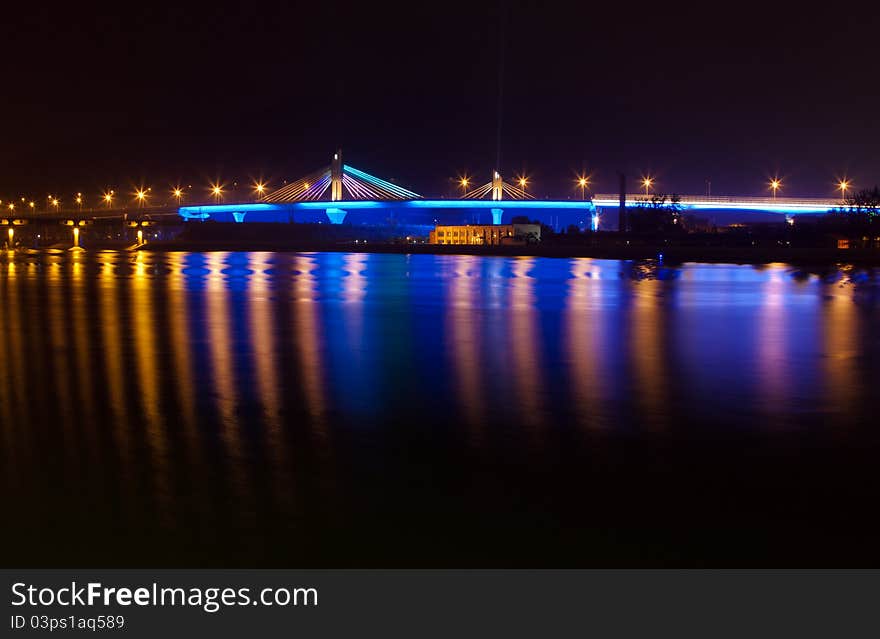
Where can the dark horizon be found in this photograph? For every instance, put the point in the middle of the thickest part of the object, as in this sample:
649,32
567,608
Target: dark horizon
131,96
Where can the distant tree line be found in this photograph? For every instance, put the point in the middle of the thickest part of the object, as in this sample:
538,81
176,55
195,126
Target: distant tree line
859,215
661,213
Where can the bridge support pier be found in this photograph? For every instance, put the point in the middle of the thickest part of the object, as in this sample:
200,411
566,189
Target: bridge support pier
336,215
238,217
496,216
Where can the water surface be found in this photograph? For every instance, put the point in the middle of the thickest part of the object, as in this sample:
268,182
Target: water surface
338,409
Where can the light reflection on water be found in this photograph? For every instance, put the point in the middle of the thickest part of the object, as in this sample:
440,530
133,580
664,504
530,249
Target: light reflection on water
311,398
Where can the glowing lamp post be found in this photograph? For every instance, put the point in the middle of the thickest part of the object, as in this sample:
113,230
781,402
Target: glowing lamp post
775,185
843,186
217,192
177,193
523,183
647,182
260,190
141,197
464,182
583,182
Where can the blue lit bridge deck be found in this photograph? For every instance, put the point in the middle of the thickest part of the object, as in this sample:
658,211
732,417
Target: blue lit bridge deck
783,205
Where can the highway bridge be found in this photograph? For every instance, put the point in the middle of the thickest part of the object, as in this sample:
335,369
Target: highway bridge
782,205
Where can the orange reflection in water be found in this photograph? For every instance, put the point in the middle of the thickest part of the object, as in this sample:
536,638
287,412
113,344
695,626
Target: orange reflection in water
840,327
63,373
462,326
115,373
179,333
265,361
309,338
79,330
143,324
525,341
15,352
583,336
648,353
7,384
772,328
219,326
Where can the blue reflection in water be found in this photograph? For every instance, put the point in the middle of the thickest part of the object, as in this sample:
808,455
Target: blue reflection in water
317,396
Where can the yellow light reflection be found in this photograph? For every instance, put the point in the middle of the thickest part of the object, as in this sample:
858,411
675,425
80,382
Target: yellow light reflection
525,342
309,337
147,374
111,330
462,326
649,353
223,370
586,349
843,345
265,363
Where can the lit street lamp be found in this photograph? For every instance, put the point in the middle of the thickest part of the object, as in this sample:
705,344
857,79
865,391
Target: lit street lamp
647,182
775,185
583,182
843,186
217,192
260,189
177,193
464,182
141,196
523,183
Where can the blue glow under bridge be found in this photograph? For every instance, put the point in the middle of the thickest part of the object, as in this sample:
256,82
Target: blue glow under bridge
781,205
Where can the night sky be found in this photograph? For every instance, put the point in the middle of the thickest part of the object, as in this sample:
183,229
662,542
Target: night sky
123,95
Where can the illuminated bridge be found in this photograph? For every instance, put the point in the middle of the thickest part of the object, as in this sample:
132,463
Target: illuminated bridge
788,206
341,192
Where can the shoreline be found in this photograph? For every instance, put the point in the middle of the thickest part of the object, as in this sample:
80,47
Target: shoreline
670,254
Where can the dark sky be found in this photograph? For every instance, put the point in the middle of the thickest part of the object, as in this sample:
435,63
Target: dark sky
130,93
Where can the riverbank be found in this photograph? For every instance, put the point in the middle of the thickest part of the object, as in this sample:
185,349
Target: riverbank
669,254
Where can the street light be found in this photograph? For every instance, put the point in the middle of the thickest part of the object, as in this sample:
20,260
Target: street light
178,193
79,201
260,189
775,185
141,196
843,185
108,198
523,183
647,182
217,192
583,181
464,182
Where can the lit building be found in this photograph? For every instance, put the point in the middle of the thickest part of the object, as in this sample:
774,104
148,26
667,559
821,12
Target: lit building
486,234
